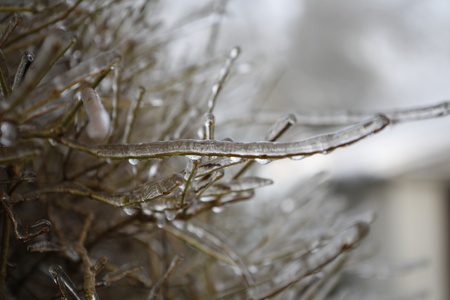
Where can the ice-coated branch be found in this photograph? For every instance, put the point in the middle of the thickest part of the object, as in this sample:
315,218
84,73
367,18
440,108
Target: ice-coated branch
334,118
262,150
157,286
64,283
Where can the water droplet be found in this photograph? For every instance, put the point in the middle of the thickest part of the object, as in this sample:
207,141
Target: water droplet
253,269
130,210
207,198
297,157
9,134
153,170
194,157
147,212
53,142
159,207
72,254
217,209
235,52
133,161
263,161
160,220
236,159
170,215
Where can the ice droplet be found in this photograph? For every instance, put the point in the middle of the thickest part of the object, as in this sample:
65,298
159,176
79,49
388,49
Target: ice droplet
9,133
147,212
263,161
194,157
53,142
236,159
160,220
253,269
170,215
133,161
217,209
297,157
130,210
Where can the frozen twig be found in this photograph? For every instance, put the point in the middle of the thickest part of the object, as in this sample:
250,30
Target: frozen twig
64,283
157,286
24,233
254,150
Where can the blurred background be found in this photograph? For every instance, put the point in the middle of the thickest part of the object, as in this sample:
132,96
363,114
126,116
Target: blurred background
358,55
371,56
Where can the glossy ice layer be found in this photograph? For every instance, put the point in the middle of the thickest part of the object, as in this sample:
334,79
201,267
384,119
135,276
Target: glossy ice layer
263,150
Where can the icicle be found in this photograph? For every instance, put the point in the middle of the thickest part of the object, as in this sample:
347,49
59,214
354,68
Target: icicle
99,120
208,127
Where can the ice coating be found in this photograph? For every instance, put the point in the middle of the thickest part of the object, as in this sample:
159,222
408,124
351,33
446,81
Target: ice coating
24,65
280,127
15,20
143,194
24,233
5,82
91,67
52,45
64,282
395,116
99,120
209,242
262,150
223,73
238,185
343,241
157,188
